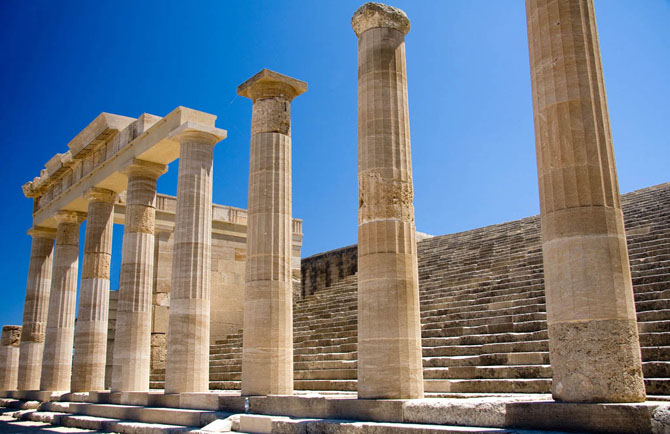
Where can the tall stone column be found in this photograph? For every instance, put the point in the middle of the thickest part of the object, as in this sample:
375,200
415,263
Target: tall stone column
36,308
187,361
9,357
57,359
132,339
90,339
267,348
389,328
593,338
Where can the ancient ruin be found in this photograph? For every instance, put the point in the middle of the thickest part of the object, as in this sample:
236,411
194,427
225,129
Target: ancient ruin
558,321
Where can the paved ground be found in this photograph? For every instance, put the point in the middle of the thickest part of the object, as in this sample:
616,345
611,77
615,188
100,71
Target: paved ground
9,425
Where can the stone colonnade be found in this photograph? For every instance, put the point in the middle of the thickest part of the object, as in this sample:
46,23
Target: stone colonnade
593,337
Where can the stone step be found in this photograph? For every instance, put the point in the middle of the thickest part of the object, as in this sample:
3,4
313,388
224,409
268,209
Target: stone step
480,339
520,358
657,386
658,354
333,426
171,416
655,369
655,339
504,347
103,424
343,385
654,315
472,322
506,327
489,372
326,374
489,386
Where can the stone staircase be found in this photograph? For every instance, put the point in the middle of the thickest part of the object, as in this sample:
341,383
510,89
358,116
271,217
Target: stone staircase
482,311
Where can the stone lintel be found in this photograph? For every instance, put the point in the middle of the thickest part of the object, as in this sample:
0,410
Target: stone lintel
192,131
96,194
269,84
375,15
42,232
145,168
100,128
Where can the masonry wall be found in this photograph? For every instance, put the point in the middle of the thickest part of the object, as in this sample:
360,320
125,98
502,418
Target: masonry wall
322,270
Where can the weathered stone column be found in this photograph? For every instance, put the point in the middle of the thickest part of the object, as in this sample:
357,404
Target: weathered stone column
90,339
57,359
36,308
187,361
267,354
9,357
593,338
389,330
132,339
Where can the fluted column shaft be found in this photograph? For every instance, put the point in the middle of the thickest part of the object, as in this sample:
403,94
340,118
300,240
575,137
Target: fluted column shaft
267,355
36,308
132,339
9,357
593,338
187,361
90,340
57,358
389,328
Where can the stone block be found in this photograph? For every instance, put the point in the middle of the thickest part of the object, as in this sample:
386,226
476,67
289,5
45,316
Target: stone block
160,319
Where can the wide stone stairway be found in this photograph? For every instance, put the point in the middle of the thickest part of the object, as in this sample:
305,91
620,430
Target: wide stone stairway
482,311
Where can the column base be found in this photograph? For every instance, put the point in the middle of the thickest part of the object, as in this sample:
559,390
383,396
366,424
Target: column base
596,361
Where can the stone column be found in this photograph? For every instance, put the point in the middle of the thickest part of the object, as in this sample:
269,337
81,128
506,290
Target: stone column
36,308
90,340
9,357
389,328
57,360
267,355
132,340
187,361
593,338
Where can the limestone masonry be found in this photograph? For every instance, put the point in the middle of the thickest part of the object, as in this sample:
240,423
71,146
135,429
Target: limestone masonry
559,321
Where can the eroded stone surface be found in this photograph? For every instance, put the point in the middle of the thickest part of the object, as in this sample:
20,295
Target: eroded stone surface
374,15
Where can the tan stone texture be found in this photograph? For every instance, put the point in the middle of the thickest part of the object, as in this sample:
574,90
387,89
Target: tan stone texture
57,357
593,339
9,357
90,341
35,309
389,330
267,355
187,363
132,338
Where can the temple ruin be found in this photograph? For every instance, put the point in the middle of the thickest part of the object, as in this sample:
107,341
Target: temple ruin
558,321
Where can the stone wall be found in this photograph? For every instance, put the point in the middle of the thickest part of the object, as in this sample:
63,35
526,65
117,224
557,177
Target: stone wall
322,270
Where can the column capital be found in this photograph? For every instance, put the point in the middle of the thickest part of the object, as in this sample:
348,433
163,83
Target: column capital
270,84
65,216
144,168
11,335
375,15
96,194
42,232
189,132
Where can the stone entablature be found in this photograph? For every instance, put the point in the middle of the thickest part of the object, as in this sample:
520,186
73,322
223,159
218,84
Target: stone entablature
99,153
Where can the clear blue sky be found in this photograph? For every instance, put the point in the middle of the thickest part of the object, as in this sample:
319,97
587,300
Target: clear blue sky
64,62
